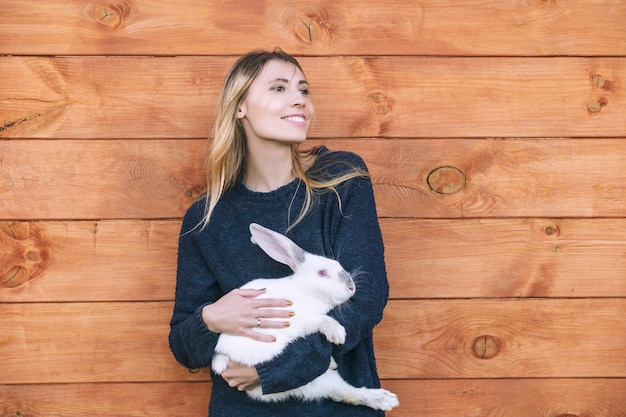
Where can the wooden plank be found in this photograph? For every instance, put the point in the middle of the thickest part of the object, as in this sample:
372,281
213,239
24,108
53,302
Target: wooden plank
135,260
509,397
502,339
106,400
99,179
155,179
396,27
88,261
506,258
426,398
88,342
44,343
426,97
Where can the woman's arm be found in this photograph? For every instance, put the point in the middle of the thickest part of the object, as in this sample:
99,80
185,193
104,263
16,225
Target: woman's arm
355,238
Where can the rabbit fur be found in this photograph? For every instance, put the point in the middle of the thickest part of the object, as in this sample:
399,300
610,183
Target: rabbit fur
317,285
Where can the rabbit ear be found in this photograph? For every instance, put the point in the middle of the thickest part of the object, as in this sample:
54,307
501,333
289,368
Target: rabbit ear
277,246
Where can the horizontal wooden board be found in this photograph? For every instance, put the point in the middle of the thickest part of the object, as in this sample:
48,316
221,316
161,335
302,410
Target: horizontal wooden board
135,260
425,97
106,400
502,339
426,398
509,398
445,178
88,342
397,27
127,342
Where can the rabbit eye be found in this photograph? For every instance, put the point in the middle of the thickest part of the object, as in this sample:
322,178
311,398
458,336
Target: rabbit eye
322,273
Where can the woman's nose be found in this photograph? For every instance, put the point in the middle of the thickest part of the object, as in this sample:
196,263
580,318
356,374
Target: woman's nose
299,100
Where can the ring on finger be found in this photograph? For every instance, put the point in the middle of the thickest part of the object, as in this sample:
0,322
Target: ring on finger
258,323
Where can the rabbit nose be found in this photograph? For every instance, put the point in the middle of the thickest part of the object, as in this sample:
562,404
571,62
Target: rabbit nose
349,282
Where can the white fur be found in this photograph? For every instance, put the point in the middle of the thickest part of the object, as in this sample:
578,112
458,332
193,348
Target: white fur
317,285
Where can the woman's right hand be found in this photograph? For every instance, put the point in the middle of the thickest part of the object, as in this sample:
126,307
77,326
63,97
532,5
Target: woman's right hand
240,311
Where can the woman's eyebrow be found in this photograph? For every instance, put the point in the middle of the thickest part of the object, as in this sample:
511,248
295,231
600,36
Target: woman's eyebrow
284,80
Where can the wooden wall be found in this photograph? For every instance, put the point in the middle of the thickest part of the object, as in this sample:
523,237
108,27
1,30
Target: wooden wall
495,132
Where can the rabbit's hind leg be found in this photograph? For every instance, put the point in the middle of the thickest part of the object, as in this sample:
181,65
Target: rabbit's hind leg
337,389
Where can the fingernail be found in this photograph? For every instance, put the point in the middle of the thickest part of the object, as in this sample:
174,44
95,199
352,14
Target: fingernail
291,314
289,303
274,340
287,324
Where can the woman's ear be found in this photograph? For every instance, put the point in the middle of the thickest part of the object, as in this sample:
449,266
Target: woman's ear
241,113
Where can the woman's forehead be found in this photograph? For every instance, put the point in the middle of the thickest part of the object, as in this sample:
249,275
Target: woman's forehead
280,70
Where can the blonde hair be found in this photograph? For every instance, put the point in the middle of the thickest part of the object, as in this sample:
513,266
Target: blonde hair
226,154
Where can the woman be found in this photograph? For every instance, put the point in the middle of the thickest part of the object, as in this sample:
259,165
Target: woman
322,200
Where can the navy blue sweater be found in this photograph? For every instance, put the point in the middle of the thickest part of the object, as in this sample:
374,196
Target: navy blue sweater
220,258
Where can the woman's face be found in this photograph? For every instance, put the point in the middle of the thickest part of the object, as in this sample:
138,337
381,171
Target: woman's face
277,107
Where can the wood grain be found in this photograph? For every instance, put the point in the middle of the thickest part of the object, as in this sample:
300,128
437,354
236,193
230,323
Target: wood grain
45,343
188,399
509,398
425,97
502,339
156,179
135,260
441,398
395,27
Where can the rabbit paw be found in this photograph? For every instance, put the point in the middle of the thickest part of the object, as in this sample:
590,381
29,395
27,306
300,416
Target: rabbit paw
380,399
219,363
335,333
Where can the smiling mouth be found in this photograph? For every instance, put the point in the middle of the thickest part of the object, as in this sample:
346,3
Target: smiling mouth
297,119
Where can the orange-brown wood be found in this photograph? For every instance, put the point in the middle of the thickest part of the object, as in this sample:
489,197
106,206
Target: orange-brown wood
134,260
362,27
88,342
127,342
441,398
502,339
510,398
182,399
426,97
495,133
151,179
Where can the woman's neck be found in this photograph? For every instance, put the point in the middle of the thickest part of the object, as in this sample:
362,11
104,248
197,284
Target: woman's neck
268,168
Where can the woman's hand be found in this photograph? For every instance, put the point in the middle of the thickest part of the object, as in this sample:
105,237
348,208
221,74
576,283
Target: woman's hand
240,311
242,377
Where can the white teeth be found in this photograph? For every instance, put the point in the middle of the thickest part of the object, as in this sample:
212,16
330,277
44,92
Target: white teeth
298,119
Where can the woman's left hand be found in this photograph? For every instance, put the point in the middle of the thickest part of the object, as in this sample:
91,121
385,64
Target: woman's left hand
242,377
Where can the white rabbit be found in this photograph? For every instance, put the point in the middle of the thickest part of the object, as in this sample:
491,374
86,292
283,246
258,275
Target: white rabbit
317,285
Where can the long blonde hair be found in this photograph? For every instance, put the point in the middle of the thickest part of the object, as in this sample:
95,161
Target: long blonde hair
226,154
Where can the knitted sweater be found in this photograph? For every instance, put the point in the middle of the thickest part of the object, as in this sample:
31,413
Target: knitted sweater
221,257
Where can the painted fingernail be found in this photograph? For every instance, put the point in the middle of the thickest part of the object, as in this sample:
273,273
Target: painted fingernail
287,324
291,314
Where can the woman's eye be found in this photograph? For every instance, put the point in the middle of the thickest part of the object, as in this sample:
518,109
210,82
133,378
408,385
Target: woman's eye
278,88
304,91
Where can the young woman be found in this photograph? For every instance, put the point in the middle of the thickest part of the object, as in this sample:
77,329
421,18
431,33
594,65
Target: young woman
322,200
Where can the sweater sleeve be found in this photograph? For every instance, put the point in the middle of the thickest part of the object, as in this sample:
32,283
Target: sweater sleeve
357,241
354,235
191,342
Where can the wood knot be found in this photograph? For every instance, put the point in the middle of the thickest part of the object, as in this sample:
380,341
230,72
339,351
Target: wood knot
380,102
110,14
446,180
307,25
486,347
597,105
24,254
600,82
552,229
